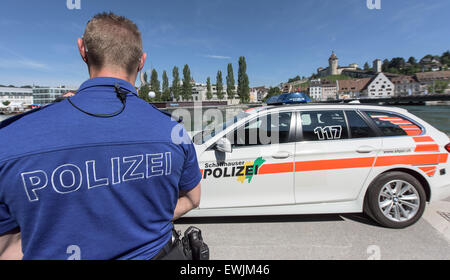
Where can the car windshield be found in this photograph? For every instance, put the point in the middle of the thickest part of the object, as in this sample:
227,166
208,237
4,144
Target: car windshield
211,130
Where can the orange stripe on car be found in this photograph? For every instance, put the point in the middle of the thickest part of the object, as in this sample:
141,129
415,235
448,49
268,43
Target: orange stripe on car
443,158
408,160
276,168
420,139
413,132
401,122
427,148
429,170
333,164
381,161
409,127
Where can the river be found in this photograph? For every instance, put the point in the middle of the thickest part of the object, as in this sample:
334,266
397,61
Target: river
438,116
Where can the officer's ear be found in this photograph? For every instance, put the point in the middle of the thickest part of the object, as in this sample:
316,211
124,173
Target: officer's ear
83,50
142,62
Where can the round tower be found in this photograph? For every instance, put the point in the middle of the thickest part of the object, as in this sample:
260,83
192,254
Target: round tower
333,62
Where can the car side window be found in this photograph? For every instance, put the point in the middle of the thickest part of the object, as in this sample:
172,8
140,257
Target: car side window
269,129
392,124
358,126
323,125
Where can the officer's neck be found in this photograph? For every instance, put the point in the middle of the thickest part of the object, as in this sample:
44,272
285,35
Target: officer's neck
112,73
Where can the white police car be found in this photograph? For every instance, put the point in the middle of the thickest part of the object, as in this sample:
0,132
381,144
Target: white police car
312,159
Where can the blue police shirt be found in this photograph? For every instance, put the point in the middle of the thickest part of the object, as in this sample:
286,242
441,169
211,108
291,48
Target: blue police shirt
105,186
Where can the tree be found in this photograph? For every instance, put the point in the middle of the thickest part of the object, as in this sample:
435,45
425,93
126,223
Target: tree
143,92
438,87
155,85
165,87
145,77
6,103
176,91
186,92
385,65
397,63
296,78
208,89
230,81
243,83
412,60
219,85
366,66
445,58
273,91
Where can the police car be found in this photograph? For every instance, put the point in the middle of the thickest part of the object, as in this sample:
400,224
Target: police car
316,159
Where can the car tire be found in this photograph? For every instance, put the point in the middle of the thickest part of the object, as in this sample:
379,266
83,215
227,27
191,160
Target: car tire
395,200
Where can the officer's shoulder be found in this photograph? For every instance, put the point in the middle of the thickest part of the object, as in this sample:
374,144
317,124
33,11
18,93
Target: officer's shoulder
18,118
166,114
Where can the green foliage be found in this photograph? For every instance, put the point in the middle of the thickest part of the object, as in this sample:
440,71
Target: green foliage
438,87
186,92
155,85
334,78
145,77
366,66
243,82
397,65
143,92
272,92
219,85
296,78
385,65
165,87
230,81
208,89
412,60
176,91
6,103
445,58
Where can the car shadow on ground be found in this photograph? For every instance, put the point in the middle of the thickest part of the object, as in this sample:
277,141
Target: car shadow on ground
357,217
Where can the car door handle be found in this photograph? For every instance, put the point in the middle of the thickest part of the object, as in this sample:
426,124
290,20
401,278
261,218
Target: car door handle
281,155
365,149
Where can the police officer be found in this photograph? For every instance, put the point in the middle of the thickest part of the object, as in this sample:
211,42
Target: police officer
100,175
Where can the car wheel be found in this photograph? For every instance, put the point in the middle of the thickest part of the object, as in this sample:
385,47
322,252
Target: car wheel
396,200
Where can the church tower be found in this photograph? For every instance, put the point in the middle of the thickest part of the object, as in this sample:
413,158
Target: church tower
333,62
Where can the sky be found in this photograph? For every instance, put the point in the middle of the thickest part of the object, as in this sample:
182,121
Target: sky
279,38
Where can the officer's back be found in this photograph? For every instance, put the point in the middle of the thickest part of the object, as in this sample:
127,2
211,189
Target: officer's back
101,172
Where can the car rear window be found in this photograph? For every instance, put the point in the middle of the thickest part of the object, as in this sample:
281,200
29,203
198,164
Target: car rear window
358,126
392,124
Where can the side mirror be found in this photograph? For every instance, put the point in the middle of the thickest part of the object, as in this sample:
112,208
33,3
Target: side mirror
223,145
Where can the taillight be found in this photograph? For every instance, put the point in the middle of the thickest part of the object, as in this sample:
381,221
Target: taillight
447,147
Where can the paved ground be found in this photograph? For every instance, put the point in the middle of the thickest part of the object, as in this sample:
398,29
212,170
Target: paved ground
349,236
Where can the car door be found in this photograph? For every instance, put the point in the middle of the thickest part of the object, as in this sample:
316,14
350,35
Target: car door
335,154
258,171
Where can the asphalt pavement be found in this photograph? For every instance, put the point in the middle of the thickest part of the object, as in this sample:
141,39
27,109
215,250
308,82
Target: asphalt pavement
330,237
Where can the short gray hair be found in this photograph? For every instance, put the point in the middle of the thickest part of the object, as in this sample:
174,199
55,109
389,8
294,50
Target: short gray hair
112,40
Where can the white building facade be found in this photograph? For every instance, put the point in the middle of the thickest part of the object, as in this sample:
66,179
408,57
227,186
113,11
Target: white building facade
315,90
15,99
379,87
47,95
199,93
